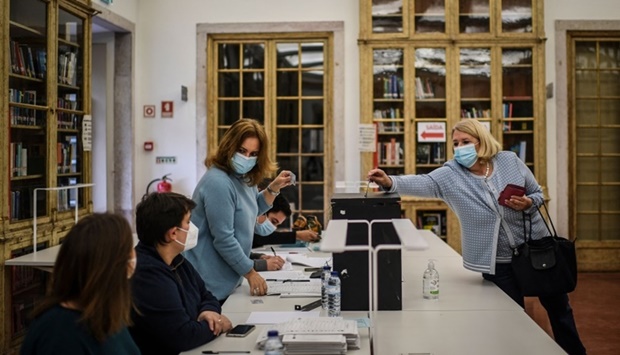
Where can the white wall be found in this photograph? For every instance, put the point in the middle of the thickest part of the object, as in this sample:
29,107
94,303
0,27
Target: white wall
565,10
166,60
125,8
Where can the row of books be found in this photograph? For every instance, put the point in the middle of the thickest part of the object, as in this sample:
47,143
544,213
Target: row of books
431,153
67,120
423,88
28,61
475,113
520,148
388,113
390,127
67,67
389,87
25,161
390,153
66,154
434,221
67,199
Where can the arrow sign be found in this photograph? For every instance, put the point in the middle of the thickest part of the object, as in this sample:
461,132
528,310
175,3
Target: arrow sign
431,131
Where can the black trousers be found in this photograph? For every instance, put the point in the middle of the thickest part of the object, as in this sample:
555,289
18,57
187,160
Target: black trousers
558,309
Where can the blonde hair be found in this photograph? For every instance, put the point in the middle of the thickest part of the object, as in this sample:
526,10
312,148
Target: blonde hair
489,146
232,141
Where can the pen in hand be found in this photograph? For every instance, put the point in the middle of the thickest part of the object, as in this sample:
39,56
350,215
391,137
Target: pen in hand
274,252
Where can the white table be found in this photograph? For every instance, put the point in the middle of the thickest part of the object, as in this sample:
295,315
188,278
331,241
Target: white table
472,316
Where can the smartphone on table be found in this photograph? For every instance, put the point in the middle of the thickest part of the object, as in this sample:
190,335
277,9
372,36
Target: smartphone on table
241,330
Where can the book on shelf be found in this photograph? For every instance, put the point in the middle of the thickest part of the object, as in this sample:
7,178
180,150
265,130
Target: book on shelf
423,88
423,153
520,148
439,153
430,221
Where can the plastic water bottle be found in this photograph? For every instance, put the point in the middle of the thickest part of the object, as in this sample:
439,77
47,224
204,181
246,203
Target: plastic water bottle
327,271
333,295
430,282
273,344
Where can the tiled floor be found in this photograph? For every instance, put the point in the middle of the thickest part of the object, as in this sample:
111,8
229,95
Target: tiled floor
596,306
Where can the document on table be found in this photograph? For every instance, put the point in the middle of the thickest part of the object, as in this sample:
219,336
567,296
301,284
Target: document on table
317,326
282,275
302,259
278,317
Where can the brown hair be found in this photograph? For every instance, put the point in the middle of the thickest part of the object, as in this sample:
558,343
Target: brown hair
91,272
232,141
489,146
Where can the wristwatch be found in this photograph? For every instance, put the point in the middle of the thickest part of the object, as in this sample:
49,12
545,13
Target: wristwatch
273,193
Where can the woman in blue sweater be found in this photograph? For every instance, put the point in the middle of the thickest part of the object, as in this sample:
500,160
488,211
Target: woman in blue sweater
228,203
174,312
471,184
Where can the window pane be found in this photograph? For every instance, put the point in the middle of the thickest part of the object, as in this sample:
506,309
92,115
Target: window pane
253,56
610,171
587,198
609,54
587,111
228,85
610,112
228,112
588,169
312,141
585,54
228,56
312,83
430,16
253,84
611,198
610,84
387,16
474,16
288,55
288,112
312,196
313,169
312,112
288,83
587,140
255,110
289,163
517,16
288,140
610,144
312,55
609,227
586,84
588,227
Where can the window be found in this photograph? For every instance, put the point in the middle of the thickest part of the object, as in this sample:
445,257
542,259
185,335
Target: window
595,129
284,82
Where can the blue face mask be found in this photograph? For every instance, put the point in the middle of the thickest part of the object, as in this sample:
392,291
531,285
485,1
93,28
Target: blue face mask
466,155
264,229
243,164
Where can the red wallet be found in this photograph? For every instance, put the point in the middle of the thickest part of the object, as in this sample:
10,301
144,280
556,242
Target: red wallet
510,190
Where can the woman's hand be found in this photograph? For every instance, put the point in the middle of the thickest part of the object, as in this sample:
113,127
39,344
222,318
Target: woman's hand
273,262
282,180
519,203
258,285
307,236
379,177
217,322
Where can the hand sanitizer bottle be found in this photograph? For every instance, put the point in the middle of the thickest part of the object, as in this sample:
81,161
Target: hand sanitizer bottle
430,282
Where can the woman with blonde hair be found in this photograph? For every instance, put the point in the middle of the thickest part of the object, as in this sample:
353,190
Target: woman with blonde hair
471,185
87,308
228,203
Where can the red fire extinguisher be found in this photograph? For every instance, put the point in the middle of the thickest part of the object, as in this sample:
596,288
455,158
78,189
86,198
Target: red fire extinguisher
164,184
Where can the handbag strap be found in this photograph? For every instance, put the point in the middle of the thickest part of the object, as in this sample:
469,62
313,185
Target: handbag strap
555,234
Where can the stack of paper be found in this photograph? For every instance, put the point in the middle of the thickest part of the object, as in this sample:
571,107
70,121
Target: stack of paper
314,344
315,331
302,259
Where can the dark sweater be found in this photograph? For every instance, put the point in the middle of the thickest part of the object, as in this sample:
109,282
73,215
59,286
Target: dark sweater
58,331
169,299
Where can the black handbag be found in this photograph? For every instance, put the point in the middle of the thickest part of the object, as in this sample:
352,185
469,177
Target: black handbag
546,266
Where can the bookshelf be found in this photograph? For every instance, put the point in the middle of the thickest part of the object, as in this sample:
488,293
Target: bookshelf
45,103
427,64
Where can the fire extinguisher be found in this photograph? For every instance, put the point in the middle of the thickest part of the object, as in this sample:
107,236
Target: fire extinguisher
164,184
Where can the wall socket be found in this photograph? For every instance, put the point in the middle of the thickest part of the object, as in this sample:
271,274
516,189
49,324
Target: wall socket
165,160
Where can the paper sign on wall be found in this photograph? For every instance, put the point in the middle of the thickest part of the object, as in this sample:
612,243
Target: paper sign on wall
367,135
431,131
167,109
87,133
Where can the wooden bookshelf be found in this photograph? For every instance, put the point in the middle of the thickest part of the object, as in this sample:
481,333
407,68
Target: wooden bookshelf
427,64
45,76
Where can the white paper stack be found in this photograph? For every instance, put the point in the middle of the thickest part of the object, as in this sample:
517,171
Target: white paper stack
318,335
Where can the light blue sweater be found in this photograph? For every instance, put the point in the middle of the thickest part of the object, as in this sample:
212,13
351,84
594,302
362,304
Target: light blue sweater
484,238
225,215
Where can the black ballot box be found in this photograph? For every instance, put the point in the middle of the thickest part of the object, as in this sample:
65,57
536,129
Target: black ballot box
353,265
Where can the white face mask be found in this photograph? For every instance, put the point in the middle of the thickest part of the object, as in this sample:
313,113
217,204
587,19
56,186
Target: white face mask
192,237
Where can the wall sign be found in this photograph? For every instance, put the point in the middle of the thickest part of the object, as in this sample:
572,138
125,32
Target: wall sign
431,131
149,111
167,109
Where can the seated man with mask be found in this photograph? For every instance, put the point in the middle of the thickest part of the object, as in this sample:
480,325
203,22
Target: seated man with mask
265,233
173,310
